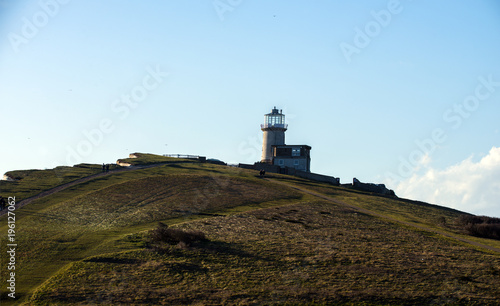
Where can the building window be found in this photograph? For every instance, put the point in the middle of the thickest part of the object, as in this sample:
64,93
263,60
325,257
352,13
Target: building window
295,151
296,162
281,162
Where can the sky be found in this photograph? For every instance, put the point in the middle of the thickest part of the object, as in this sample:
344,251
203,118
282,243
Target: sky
405,93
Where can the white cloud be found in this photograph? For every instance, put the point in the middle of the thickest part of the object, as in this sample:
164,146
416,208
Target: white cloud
425,160
468,186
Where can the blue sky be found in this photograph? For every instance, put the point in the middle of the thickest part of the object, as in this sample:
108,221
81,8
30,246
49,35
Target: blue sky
398,92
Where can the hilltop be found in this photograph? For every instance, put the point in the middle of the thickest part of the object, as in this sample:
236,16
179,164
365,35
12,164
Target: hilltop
86,237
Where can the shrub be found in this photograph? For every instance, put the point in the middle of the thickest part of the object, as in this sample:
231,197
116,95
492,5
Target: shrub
480,226
442,221
175,236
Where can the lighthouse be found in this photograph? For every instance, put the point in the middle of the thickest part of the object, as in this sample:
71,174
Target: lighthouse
274,149
274,128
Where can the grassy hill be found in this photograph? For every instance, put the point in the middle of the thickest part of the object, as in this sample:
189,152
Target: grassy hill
279,240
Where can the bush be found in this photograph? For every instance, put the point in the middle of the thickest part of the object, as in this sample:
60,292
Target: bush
175,236
481,226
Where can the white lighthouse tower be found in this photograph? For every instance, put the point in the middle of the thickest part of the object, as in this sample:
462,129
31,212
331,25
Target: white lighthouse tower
274,128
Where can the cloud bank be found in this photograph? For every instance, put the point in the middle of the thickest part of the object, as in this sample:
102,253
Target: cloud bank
468,186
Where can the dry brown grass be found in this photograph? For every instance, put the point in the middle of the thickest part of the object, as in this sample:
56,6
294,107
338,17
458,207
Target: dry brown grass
267,244
95,215
158,198
304,253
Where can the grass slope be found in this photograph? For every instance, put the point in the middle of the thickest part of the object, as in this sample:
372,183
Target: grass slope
268,244
31,182
149,159
311,252
94,217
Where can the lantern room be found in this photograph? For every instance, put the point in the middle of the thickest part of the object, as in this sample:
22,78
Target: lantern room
274,119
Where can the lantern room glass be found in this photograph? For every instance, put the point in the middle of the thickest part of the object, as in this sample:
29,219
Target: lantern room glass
274,119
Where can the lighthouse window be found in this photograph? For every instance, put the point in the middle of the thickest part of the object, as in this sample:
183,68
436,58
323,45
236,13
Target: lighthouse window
274,120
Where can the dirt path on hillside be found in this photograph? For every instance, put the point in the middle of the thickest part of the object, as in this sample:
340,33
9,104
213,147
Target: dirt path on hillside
76,182
375,214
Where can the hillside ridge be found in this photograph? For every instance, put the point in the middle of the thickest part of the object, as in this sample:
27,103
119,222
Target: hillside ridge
259,230
64,186
375,214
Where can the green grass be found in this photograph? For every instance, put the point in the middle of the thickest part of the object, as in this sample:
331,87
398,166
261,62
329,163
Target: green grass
417,213
148,159
268,244
32,182
301,253
95,217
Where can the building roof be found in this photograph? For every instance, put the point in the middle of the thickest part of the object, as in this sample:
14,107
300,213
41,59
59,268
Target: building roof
284,146
275,111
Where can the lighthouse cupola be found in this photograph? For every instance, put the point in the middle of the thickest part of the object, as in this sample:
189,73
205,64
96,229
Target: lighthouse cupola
274,119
